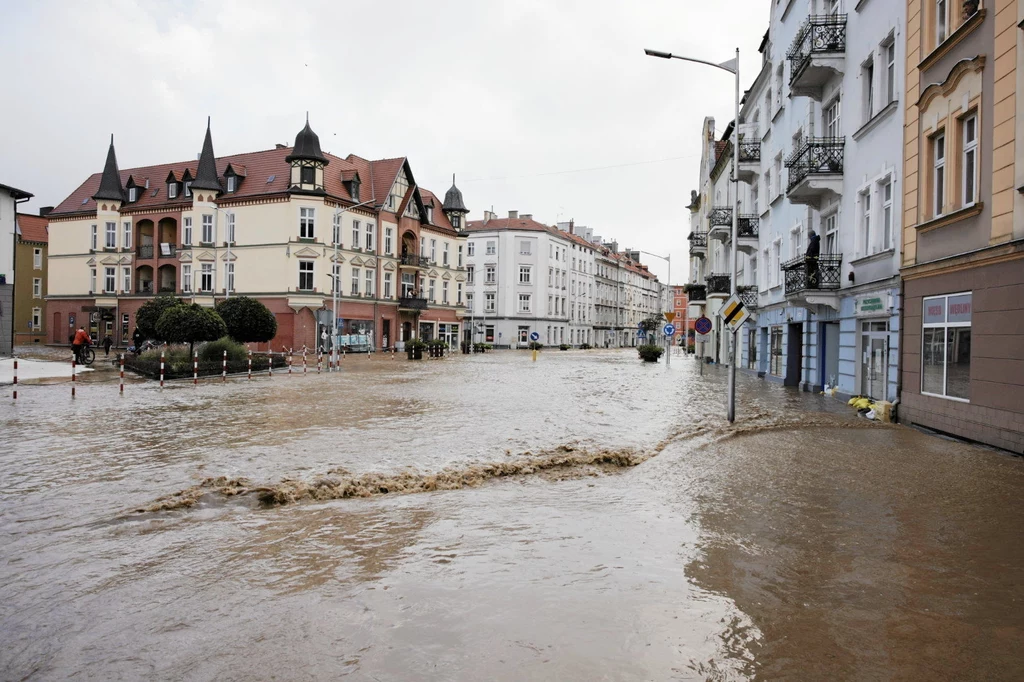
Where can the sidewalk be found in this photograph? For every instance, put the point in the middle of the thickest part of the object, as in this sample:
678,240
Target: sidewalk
36,369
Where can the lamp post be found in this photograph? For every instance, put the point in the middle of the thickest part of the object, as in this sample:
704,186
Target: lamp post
733,67
335,279
667,259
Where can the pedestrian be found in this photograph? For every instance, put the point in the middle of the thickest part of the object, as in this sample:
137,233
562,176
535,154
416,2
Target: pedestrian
82,339
811,258
107,343
137,340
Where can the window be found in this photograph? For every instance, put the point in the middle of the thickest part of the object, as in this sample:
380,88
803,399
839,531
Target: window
229,276
829,241
433,251
470,272
551,277
172,190
307,223
127,242
470,249
776,262
832,119
388,238
753,274
93,242
456,221
369,236
305,275
867,74
206,277
778,174
491,248
469,301
460,256
768,185
778,88
355,234
109,280
524,248
889,50
186,277
336,229
37,287
938,172
489,333
946,351
969,132
444,293
208,236
308,175
356,275
336,278
444,255
188,188
433,286
387,285
524,274
133,194
232,183
231,227
490,274
489,302
187,238
369,282
755,199
37,318
865,221
458,293
940,21
92,280
37,259
887,214
430,214
126,280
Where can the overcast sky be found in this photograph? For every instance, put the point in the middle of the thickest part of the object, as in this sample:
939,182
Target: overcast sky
511,96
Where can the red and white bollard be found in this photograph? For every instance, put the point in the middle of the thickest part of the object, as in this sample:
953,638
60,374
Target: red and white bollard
74,364
250,364
161,369
303,362
319,362
121,387
195,368
290,351
224,368
270,363
15,378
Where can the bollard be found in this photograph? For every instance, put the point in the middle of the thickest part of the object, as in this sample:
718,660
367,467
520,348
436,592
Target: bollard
303,362
270,363
289,362
15,378
73,364
121,389
224,368
161,369
195,368
392,352
319,362
535,355
250,365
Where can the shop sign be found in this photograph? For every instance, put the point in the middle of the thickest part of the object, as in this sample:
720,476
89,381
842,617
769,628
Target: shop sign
872,304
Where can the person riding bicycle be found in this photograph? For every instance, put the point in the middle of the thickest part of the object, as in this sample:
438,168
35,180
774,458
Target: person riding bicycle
81,340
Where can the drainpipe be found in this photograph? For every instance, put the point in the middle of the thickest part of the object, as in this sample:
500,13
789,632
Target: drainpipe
899,355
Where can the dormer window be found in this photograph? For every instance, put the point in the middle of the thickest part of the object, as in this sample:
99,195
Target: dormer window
430,214
188,188
232,183
172,190
456,221
355,190
133,194
308,176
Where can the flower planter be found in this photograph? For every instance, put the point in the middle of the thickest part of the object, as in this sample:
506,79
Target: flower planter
415,352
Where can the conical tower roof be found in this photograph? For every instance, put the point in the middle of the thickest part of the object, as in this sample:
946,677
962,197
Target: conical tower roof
307,147
206,174
110,184
453,199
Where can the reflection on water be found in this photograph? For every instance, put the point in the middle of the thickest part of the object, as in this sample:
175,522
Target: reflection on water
796,544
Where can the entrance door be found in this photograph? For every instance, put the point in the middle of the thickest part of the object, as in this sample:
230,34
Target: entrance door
874,364
386,333
406,331
794,354
830,363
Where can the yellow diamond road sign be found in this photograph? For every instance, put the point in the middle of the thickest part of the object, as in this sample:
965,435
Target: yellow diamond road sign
734,313
669,317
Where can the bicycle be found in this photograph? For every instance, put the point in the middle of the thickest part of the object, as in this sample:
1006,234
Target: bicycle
86,355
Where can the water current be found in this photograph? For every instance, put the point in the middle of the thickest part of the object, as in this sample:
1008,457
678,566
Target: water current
584,517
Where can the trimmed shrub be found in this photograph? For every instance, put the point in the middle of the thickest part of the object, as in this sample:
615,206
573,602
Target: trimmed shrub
214,350
585,346
650,352
564,346
149,314
247,320
536,345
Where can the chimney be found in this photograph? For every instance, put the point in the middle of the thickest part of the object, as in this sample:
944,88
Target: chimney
45,211
488,216
280,146
512,215
527,216
572,224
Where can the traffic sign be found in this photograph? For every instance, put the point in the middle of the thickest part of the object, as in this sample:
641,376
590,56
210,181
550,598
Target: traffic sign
534,336
640,326
734,313
641,334
669,329
669,316
703,325
701,338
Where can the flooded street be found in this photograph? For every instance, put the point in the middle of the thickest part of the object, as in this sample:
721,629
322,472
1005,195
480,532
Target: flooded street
579,518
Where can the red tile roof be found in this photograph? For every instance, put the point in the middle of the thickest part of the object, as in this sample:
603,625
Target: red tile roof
720,146
33,228
440,221
527,224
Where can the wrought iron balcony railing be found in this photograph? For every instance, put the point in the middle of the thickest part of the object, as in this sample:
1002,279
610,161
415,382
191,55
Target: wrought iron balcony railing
803,273
412,303
817,155
748,294
750,151
415,260
720,215
820,34
696,293
746,225
698,239
144,251
718,284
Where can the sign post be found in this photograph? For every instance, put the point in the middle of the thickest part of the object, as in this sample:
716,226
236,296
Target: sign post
702,327
534,336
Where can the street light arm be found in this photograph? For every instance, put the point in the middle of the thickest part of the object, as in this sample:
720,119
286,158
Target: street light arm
731,66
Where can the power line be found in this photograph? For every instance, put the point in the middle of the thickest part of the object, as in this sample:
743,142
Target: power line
585,170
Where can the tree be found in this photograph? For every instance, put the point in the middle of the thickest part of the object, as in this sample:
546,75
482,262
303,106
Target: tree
150,312
189,324
247,319
651,324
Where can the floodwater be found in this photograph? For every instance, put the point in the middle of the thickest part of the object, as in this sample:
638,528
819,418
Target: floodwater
584,517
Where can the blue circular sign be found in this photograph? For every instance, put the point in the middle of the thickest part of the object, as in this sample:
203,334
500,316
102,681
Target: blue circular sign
702,325
669,329
534,336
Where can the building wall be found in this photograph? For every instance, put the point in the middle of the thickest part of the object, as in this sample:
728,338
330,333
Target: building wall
25,300
7,221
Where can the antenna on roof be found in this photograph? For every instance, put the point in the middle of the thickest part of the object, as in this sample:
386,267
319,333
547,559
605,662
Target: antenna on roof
307,116
111,138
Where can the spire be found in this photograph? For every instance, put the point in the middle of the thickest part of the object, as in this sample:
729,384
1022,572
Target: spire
307,146
453,199
110,183
206,174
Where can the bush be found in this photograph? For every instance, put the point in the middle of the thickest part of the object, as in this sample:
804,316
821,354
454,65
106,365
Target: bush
214,351
247,319
436,343
650,352
149,314
171,354
190,324
564,346
535,345
585,346
415,343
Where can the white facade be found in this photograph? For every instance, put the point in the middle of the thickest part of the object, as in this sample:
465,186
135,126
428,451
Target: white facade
9,199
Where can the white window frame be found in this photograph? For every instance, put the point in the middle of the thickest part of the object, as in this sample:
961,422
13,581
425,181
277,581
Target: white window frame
832,118
433,251
37,287
432,288
830,233
865,221
187,237
133,194
37,319
356,278
188,188
889,51
945,326
470,273
368,282
229,276
369,236
209,235
492,248
938,142
444,292
37,259
867,70
109,279
886,192
490,274
489,302
126,279
186,277
387,285
95,237
388,240
470,249
206,273
525,274
525,247
172,190
92,280
525,303
969,151
308,268
941,21
232,183
307,222
336,229
444,254
127,235
230,219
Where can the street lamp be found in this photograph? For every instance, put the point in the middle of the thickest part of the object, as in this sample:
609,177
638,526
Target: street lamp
733,67
335,278
667,259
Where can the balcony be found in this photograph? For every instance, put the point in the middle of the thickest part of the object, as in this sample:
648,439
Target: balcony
817,55
811,283
748,294
746,229
412,303
816,170
698,244
413,261
696,294
144,251
720,220
749,167
719,285
166,250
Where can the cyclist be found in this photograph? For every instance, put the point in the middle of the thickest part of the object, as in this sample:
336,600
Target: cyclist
81,340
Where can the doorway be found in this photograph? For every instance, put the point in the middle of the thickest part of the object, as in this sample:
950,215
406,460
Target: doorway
874,359
829,364
385,333
794,354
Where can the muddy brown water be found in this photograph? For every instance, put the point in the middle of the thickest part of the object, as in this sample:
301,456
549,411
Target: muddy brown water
586,517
